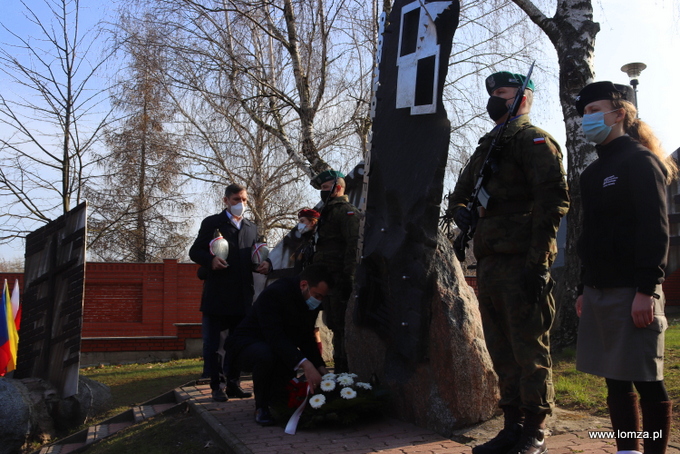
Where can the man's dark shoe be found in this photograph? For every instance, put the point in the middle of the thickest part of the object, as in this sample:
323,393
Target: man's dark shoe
219,396
532,442
501,443
263,417
234,390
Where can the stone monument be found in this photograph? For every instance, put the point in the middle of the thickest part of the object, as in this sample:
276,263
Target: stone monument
414,322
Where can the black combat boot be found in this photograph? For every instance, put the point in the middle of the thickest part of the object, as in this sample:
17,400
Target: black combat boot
532,440
507,437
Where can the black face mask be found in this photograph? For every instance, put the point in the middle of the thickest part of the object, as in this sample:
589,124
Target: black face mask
325,195
497,107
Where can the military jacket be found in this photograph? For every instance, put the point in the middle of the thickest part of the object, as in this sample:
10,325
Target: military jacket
337,236
528,194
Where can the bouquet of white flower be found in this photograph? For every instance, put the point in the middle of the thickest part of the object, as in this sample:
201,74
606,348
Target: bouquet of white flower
341,398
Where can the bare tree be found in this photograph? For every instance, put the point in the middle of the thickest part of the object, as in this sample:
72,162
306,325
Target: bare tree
290,65
15,265
226,146
491,36
136,210
52,114
268,93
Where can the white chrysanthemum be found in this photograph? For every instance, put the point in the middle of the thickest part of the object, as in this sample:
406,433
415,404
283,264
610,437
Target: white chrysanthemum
348,393
364,385
329,377
345,380
353,375
317,400
327,385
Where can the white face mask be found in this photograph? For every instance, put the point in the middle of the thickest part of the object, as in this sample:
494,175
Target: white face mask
302,227
237,210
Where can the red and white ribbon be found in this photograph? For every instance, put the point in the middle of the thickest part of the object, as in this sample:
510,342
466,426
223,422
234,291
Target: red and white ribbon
291,427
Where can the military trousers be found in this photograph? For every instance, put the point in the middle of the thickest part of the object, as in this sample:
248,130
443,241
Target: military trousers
517,334
334,312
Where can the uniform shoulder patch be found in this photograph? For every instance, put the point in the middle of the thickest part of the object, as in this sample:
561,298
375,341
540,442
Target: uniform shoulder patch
350,213
539,140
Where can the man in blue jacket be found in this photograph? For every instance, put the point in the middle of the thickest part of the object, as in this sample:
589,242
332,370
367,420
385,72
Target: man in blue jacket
228,286
277,337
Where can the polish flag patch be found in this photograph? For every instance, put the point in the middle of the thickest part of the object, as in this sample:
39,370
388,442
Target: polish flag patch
539,140
350,213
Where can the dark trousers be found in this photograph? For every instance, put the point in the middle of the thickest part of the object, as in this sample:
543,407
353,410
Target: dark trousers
270,374
213,362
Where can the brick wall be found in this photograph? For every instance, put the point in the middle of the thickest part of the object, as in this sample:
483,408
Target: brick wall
671,289
472,282
140,299
137,306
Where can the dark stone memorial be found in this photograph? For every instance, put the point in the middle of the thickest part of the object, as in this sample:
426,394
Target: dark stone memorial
414,322
49,340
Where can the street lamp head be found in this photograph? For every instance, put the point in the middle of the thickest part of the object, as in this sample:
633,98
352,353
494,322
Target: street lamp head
633,70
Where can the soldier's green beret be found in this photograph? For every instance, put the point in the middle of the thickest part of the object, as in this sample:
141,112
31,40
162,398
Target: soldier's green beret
506,79
598,91
326,175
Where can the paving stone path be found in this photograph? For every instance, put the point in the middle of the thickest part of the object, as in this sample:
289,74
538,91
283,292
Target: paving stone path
233,423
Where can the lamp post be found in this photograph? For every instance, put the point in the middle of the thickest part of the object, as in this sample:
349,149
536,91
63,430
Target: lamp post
633,70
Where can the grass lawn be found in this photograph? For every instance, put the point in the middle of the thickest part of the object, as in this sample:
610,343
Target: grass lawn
181,433
133,384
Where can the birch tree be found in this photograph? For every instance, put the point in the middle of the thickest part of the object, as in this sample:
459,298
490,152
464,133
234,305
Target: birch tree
572,32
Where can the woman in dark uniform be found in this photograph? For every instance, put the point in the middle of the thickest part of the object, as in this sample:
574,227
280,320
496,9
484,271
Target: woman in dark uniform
307,222
623,248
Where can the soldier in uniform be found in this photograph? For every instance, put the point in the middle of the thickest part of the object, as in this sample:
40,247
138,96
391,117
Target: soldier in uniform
514,244
336,245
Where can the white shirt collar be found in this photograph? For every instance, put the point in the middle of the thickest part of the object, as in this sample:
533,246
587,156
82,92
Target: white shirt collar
233,220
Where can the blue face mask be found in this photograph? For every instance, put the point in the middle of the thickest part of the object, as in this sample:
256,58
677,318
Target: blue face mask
594,127
312,303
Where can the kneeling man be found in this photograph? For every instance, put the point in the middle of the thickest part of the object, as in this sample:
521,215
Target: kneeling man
277,337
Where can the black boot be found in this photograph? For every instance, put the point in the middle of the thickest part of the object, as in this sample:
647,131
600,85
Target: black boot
656,421
625,417
235,390
507,437
532,440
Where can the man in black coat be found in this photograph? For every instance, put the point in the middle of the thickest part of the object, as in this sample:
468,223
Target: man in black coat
228,287
277,337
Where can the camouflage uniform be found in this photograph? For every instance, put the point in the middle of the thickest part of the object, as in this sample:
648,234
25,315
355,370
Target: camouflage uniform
336,247
529,196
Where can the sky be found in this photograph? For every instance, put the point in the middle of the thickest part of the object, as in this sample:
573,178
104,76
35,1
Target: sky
630,31
636,31
645,32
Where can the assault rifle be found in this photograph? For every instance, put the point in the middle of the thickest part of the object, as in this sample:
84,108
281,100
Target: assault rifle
479,196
